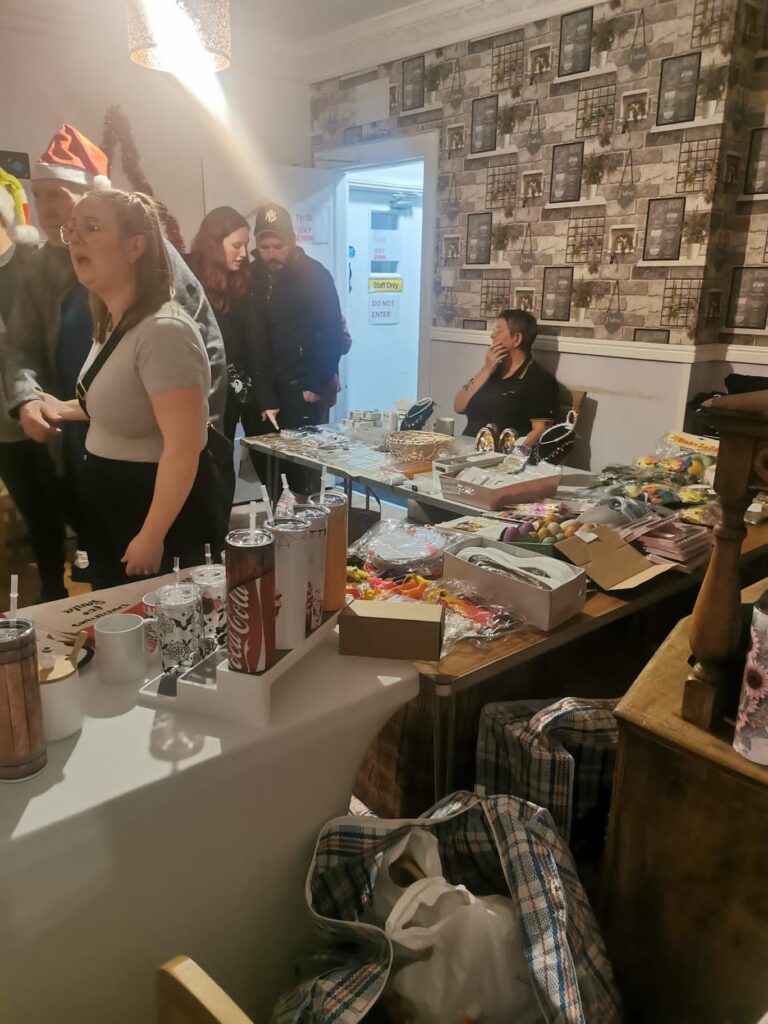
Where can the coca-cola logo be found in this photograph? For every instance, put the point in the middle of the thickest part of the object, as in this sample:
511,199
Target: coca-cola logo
240,632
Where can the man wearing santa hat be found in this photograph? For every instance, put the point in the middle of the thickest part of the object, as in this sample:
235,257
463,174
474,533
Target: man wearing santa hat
49,332
23,463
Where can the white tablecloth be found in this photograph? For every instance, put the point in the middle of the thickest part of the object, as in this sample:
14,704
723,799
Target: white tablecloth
151,833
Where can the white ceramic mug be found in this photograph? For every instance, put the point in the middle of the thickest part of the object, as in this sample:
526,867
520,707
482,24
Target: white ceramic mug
62,707
121,648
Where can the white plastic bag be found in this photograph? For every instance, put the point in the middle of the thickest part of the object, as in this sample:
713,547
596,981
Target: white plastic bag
414,857
462,957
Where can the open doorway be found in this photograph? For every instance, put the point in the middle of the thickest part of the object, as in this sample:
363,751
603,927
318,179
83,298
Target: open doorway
384,225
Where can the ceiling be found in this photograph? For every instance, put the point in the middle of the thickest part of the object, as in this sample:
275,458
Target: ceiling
305,19
290,20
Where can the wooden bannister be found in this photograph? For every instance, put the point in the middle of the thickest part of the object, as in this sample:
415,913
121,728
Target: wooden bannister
742,468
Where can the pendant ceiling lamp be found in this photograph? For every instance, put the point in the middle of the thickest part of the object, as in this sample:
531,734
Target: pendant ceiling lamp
157,29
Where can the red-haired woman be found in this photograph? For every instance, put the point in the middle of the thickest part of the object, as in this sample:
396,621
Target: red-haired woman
219,260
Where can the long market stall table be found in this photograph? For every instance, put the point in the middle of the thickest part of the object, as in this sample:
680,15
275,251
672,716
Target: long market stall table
469,664
152,833
361,464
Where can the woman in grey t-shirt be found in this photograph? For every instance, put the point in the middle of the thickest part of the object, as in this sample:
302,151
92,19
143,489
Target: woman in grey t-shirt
150,483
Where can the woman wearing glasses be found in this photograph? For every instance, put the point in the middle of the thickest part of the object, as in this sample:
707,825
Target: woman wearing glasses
150,482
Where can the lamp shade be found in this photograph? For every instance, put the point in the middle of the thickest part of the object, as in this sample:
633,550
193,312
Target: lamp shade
149,22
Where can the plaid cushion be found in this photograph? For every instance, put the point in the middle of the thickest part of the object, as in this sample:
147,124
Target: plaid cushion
495,845
559,756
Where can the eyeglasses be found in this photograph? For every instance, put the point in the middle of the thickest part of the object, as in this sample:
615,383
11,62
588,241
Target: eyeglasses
68,231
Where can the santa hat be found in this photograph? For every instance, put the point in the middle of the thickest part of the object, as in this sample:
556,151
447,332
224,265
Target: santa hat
73,158
14,210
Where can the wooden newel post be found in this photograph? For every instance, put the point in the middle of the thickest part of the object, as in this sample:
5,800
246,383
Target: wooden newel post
742,467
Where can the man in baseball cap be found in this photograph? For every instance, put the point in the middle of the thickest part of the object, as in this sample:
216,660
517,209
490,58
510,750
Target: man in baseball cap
301,334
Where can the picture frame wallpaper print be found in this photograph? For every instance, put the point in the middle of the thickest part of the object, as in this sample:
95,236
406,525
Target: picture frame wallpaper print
756,182
565,181
455,139
484,130
14,163
478,248
748,306
678,89
575,43
652,335
413,95
556,293
664,228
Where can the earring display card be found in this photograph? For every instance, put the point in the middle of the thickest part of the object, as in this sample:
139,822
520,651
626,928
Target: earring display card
413,83
663,229
575,42
565,182
757,163
485,113
677,89
556,293
479,238
748,307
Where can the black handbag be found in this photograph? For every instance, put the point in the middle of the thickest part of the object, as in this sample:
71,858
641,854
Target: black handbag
556,441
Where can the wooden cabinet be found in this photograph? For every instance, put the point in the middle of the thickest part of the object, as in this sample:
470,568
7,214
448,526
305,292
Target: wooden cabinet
686,873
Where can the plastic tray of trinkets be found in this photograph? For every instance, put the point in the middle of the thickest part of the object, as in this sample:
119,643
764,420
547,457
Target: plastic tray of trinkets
211,687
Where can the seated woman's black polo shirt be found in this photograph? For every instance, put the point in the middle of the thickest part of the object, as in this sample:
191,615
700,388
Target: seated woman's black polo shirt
529,394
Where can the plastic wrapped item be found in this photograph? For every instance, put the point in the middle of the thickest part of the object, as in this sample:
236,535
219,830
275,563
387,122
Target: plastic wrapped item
467,615
398,548
459,958
286,503
413,857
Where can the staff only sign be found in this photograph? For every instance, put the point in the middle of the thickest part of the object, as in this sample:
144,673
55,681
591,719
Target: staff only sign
384,297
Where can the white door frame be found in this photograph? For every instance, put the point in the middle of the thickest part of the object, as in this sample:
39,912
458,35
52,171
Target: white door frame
399,149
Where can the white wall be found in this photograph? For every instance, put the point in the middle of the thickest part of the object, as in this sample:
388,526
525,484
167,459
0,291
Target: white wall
67,60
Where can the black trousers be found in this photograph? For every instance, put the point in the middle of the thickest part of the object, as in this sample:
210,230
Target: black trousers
294,414
29,473
117,498
250,416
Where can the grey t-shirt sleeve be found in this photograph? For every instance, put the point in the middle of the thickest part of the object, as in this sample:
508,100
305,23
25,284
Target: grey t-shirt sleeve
171,356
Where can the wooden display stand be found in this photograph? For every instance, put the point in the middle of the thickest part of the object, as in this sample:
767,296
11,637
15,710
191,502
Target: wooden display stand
685,894
742,469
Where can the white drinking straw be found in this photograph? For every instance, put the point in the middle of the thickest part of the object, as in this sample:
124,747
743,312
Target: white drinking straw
268,503
323,481
177,570
208,556
252,519
14,595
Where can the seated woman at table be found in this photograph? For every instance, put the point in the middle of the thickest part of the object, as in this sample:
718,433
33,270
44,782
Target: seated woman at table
152,488
510,390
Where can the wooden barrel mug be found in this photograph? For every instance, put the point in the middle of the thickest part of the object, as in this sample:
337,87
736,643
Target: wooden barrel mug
22,745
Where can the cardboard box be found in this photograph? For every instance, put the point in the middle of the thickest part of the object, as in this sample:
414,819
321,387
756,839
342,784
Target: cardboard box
534,483
392,629
543,609
608,560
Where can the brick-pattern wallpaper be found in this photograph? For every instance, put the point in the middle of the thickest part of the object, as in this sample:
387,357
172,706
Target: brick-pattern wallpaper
592,168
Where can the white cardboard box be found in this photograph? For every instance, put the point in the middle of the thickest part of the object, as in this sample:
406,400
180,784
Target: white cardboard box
544,609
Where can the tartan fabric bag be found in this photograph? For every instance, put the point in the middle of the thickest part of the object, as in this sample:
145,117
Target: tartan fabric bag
496,845
560,756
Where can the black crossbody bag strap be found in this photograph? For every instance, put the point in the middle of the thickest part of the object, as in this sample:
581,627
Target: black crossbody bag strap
90,374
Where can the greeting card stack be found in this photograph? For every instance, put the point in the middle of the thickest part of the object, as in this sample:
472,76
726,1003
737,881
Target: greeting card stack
686,546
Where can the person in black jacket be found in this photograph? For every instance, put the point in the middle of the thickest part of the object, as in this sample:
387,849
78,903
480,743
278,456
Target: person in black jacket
302,337
218,258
